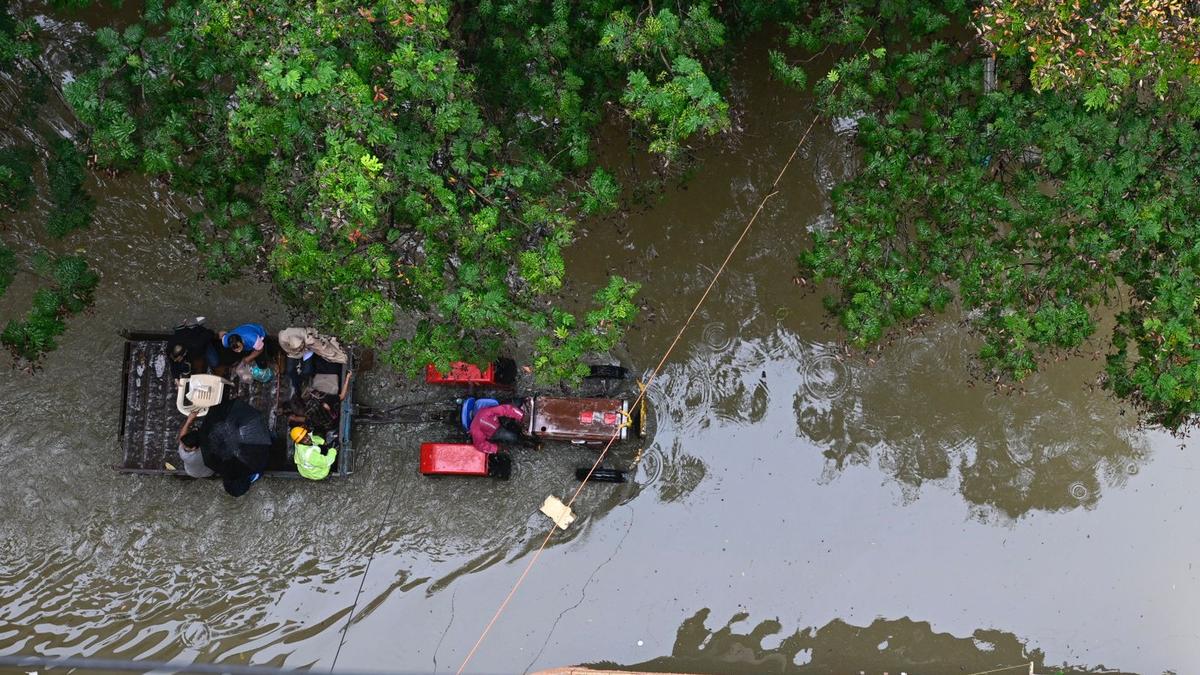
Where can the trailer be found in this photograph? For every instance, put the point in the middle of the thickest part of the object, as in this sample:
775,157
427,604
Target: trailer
150,419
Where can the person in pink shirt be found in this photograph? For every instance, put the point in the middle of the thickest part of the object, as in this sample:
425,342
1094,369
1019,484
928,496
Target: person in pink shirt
486,430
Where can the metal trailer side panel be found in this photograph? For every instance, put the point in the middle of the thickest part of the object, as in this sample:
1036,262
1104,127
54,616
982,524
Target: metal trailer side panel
572,419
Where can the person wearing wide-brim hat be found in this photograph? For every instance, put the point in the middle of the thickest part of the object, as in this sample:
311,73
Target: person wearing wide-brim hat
313,459
304,347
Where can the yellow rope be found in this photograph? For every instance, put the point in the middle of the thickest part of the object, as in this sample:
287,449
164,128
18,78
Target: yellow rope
1001,670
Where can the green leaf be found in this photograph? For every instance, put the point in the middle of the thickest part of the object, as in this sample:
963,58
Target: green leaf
1096,97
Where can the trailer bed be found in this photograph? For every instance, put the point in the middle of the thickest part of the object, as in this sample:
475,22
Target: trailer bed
150,421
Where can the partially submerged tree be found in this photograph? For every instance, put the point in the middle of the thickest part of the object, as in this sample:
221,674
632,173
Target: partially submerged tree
1038,206
1102,49
410,156
66,283
432,158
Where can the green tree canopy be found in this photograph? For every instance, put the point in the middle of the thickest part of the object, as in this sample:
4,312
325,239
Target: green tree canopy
1036,207
66,283
429,158
410,156
1105,49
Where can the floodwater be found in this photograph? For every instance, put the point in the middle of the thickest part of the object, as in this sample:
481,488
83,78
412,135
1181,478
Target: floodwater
800,508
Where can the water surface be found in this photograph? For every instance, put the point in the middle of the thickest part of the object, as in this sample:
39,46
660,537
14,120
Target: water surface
801,506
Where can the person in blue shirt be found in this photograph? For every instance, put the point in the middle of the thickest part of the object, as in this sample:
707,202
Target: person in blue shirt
247,339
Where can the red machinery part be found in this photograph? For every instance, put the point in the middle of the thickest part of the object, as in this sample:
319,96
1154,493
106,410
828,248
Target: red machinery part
461,373
452,459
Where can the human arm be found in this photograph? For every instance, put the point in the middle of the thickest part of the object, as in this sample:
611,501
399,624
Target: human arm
326,458
327,452
187,425
255,347
480,437
516,412
346,385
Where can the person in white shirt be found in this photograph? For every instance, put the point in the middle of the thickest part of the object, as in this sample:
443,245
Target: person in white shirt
189,450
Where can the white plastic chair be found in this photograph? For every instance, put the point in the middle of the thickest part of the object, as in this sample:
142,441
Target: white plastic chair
204,391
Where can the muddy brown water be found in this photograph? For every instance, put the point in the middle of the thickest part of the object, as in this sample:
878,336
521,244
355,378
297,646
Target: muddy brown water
800,508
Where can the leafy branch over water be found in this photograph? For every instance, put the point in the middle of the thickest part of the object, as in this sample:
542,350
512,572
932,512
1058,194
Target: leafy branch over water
1036,206
428,160
16,177
72,206
69,281
384,157
71,291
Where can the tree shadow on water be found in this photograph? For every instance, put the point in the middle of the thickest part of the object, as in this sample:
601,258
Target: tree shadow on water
886,645
914,411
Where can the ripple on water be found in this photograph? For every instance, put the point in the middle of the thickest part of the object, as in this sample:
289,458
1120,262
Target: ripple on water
717,336
1020,451
649,466
825,377
1079,491
195,633
777,346
266,512
697,387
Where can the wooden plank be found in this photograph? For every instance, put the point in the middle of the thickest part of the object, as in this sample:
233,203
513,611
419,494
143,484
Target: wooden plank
124,395
136,407
151,421
164,420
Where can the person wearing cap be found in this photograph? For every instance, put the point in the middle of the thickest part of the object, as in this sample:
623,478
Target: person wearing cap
312,459
246,340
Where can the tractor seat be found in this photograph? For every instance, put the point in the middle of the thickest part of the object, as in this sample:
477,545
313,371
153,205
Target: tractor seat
473,405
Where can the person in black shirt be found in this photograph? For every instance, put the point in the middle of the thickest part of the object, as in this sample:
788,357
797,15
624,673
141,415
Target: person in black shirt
192,349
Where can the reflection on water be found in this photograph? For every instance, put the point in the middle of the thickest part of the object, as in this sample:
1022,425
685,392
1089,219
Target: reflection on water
837,647
826,377
681,474
726,386
125,605
649,466
914,411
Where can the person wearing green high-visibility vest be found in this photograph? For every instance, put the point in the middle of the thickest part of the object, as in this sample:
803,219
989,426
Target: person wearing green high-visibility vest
312,458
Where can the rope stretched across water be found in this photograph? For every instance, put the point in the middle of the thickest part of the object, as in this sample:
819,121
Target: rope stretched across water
645,386
1005,668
